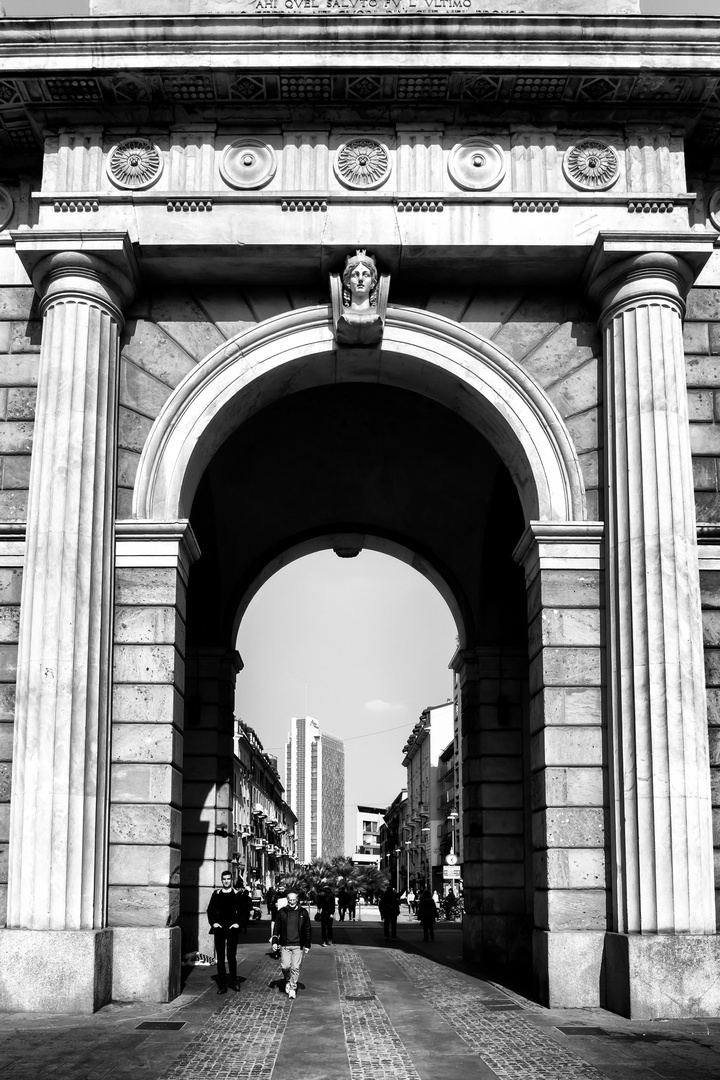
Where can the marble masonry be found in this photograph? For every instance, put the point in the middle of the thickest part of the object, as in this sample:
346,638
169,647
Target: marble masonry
439,279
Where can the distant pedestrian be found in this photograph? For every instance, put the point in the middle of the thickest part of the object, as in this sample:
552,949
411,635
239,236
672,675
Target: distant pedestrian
436,898
449,904
224,918
270,900
245,906
427,914
342,901
389,906
292,934
351,902
411,901
326,907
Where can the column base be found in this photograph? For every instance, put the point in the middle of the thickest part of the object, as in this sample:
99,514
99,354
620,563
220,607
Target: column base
146,963
55,971
567,966
653,976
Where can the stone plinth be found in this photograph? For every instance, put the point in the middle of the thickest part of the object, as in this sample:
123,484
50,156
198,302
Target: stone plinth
662,975
55,971
146,963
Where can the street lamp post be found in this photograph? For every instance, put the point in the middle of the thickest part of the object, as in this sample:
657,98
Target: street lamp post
397,870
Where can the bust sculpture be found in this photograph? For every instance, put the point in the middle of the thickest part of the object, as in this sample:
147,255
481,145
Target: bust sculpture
358,319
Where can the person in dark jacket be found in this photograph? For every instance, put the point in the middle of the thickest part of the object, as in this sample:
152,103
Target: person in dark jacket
244,909
326,907
427,913
224,918
351,902
389,906
292,936
342,901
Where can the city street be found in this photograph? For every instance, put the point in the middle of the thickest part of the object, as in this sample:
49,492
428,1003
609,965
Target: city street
366,1010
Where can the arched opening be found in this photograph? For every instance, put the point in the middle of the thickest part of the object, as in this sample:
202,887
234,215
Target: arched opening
438,449
377,466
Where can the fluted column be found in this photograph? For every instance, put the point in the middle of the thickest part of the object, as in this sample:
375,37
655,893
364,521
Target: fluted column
661,805
58,819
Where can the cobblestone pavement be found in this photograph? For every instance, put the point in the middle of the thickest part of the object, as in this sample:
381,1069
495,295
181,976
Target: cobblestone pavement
366,1009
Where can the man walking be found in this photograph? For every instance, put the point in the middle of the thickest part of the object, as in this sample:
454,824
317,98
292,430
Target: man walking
291,934
326,907
224,918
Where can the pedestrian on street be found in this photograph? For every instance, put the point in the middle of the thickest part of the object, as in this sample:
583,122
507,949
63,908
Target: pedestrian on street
270,900
326,907
292,936
342,900
427,914
351,902
449,904
389,906
244,909
411,901
224,918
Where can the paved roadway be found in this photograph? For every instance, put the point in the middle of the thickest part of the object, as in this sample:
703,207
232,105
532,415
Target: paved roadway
366,1010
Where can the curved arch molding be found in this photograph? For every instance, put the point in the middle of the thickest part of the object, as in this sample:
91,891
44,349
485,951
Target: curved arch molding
421,352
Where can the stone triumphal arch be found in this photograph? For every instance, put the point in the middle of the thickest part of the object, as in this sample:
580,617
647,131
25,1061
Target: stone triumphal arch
526,411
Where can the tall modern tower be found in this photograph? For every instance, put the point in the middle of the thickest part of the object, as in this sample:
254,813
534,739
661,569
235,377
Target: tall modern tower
315,789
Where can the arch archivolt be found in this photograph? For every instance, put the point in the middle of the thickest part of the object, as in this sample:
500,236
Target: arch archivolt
421,352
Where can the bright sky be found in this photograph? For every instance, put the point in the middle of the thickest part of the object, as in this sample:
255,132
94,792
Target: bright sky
369,641
31,8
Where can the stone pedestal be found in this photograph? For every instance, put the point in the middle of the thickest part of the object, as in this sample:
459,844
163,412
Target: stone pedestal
668,975
55,971
146,963
58,816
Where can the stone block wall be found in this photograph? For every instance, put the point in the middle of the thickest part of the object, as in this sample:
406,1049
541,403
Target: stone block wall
567,757
146,751
702,362
497,872
19,362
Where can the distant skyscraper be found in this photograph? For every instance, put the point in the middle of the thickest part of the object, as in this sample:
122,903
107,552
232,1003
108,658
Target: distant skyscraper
315,789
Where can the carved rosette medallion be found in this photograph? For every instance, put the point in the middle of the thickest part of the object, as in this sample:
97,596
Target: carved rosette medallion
134,163
6,207
248,163
477,164
714,208
362,163
591,165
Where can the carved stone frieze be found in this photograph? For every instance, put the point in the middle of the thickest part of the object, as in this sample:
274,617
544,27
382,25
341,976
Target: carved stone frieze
134,163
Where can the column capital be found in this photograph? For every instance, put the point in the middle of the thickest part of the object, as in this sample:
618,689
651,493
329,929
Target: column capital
627,268
98,268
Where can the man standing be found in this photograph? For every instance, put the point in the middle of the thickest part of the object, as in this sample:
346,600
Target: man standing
389,906
326,907
351,901
291,934
224,918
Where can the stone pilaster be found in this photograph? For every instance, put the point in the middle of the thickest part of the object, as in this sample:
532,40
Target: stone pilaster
492,685
662,870
58,821
152,566
563,569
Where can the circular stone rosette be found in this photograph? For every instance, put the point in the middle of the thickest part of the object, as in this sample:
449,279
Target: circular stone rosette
362,163
477,164
6,207
713,208
134,164
248,163
592,165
